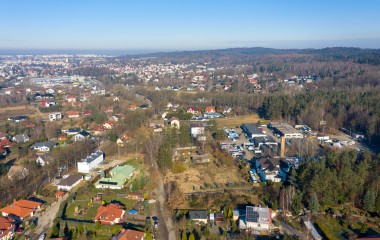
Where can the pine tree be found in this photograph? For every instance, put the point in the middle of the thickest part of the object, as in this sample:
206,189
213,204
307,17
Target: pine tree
313,202
369,201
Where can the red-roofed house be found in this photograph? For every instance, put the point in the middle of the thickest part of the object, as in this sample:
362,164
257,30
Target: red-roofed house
87,113
4,143
73,114
192,110
108,124
22,208
7,228
129,234
111,214
132,107
108,110
210,109
98,129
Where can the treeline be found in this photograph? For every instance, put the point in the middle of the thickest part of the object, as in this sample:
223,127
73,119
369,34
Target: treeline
339,178
172,138
320,185
359,111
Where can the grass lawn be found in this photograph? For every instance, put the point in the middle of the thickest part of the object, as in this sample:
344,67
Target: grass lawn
89,211
331,228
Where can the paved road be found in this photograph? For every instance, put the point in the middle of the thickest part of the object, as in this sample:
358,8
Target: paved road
45,219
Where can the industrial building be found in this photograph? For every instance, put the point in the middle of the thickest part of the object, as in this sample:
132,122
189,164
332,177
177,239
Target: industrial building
284,129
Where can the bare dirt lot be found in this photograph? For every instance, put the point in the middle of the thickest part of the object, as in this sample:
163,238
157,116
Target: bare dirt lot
238,120
198,175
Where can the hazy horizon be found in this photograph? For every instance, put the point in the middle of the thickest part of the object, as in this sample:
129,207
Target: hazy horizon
150,26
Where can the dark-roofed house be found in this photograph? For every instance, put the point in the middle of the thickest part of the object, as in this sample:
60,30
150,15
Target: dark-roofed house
43,159
21,138
70,181
252,130
198,216
44,146
81,136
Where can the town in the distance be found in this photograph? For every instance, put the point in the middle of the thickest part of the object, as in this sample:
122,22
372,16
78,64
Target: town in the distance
245,143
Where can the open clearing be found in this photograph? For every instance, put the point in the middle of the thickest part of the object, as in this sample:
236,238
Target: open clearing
238,120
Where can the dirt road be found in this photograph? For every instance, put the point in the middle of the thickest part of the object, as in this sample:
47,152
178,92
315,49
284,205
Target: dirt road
166,227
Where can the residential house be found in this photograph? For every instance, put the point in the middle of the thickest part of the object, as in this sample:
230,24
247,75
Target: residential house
129,234
55,116
109,110
3,135
98,129
193,110
21,138
44,146
48,103
87,113
43,159
174,122
7,228
198,216
210,109
256,218
69,181
197,128
90,162
132,107
111,214
81,136
73,114
72,131
22,208
108,124
115,99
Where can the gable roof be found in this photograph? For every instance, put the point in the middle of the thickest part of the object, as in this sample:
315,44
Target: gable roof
129,234
6,225
21,208
70,180
21,138
109,213
199,214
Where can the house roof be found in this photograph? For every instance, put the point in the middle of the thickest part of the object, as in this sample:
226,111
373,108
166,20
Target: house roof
109,213
21,208
6,225
5,143
198,214
92,156
129,234
45,144
20,137
118,176
73,113
3,135
258,214
70,180
84,133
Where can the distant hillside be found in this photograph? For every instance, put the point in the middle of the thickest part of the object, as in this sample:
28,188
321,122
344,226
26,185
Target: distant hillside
249,55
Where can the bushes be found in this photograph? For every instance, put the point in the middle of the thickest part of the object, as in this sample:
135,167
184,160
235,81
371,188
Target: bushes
179,167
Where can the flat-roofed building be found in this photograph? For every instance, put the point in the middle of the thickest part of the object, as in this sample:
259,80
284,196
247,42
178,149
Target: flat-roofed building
284,129
91,162
118,176
252,130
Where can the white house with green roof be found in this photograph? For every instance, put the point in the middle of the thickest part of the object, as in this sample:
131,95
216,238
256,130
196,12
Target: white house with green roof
118,176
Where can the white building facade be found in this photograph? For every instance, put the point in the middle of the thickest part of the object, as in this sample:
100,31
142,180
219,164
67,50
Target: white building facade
91,162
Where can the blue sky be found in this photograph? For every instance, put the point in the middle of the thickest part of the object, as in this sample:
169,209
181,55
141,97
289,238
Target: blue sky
187,25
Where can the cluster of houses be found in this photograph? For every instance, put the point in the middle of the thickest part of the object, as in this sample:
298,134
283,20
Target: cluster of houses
248,218
15,213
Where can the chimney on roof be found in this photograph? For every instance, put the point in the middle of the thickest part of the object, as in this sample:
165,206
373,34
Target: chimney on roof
282,154
14,200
